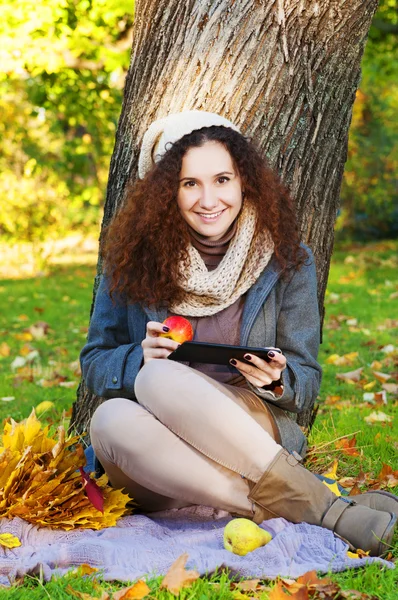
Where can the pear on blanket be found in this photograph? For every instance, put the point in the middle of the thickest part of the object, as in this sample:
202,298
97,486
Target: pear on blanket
242,536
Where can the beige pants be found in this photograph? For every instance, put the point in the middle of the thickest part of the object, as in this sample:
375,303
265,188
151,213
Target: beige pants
188,440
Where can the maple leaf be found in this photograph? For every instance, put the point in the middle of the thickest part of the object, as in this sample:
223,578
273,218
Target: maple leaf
85,596
285,591
248,585
387,476
351,375
178,577
137,591
41,483
93,492
348,446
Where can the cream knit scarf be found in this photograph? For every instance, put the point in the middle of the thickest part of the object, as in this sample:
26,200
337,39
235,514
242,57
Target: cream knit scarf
208,292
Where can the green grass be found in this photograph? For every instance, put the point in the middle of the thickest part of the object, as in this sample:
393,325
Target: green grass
361,281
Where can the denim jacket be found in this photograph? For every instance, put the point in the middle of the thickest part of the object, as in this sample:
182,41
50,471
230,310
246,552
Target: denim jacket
277,312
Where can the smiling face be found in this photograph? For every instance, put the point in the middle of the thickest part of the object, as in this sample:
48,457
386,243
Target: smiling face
210,193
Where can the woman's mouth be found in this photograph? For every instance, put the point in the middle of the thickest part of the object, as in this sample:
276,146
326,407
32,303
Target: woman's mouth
210,217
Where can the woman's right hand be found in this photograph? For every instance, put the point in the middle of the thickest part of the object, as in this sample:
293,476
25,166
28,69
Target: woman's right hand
155,346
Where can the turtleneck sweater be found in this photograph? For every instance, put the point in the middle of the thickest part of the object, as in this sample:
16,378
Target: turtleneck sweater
224,326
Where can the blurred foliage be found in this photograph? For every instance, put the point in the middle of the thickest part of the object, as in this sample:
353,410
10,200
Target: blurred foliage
369,193
62,72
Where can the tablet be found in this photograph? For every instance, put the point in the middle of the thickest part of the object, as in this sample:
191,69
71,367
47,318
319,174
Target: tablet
216,354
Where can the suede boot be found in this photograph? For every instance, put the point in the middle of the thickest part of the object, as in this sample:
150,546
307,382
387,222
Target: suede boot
287,489
379,500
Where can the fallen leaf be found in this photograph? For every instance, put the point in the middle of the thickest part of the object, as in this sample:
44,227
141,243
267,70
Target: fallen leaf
311,580
44,406
383,377
388,476
94,493
348,446
332,474
387,349
378,417
9,541
85,569
38,330
178,577
346,359
351,375
355,490
84,595
369,385
376,364
295,592
249,585
135,592
333,487
4,349
391,388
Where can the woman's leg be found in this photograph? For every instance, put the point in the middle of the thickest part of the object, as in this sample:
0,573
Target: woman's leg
208,416
156,467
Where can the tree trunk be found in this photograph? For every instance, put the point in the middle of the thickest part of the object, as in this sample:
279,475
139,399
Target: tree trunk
285,71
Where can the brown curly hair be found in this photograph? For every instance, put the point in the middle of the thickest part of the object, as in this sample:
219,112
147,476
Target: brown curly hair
148,237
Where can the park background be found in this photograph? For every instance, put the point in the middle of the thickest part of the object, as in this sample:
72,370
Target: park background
63,67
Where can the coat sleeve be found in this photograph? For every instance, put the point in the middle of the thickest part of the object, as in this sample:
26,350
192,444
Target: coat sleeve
298,336
109,360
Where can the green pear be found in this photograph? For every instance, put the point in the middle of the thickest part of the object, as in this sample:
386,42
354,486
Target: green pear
242,536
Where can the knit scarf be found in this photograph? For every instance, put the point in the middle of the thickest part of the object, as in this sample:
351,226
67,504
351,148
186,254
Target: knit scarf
208,292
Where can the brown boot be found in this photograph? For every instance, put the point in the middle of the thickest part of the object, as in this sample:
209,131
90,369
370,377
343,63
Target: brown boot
379,500
287,489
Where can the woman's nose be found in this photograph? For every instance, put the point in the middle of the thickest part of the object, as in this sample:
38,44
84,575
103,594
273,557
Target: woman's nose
208,200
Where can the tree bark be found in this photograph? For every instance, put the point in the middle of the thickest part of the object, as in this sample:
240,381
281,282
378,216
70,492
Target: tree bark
285,71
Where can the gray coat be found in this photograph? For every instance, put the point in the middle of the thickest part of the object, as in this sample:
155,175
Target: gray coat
277,312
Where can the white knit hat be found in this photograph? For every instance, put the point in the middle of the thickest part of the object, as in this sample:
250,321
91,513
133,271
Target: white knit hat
171,129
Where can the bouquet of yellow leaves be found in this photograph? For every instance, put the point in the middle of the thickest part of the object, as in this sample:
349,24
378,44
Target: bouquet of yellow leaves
42,480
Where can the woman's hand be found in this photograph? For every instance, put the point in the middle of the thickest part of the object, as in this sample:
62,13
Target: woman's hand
260,372
155,346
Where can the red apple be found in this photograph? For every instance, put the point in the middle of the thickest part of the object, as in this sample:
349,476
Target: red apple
180,329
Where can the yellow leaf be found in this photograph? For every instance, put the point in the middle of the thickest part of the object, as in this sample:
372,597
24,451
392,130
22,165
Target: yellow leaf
44,406
40,480
333,487
4,349
370,385
85,569
332,474
9,541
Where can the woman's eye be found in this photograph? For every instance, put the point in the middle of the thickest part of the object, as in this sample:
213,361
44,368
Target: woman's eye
223,177
187,182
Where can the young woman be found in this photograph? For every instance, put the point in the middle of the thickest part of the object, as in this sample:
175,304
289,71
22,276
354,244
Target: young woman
209,233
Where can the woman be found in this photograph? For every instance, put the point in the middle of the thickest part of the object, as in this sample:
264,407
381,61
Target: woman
209,233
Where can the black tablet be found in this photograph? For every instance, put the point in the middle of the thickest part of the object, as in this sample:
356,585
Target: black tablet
216,354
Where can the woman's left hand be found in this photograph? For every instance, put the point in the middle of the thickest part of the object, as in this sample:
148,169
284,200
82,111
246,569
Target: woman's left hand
260,372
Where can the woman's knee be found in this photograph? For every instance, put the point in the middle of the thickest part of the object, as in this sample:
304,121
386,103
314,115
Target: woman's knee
109,416
155,377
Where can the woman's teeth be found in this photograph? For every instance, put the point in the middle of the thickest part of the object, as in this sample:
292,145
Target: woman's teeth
210,217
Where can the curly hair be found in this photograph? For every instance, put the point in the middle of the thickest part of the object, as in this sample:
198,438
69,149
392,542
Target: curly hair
148,237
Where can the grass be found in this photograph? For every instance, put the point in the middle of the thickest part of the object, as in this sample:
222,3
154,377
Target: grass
362,286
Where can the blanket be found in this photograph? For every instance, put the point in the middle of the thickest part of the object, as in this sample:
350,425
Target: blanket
144,545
